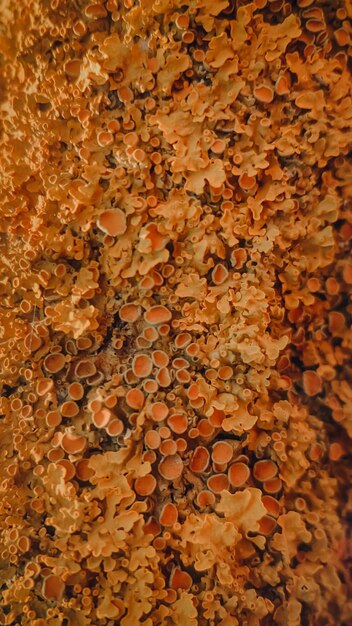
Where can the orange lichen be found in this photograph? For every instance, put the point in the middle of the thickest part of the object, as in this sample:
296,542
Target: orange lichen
76,391
83,471
73,444
54,363
271,505
53,419
53,588
222,452
68,467
178,423
150,334
160,358
238,474
165,432
112,222
101,417
85,368
115,427
200,460
129,312
264,470
44,385
168,515
182,340
150,385
175,318
336,451
272,486
171,467
142,365
145,485
267,525
219,274
152,439
159,411
135,398
180,579
225,372
218,483
168,447
182,376
205,498
312,383
69,409
157,315
264,93
163,377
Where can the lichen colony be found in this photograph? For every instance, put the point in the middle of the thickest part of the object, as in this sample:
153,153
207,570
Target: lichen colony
175,313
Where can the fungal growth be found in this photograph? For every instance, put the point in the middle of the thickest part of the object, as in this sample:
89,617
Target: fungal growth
175,313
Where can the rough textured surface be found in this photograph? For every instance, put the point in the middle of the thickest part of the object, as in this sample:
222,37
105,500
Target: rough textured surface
175,314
